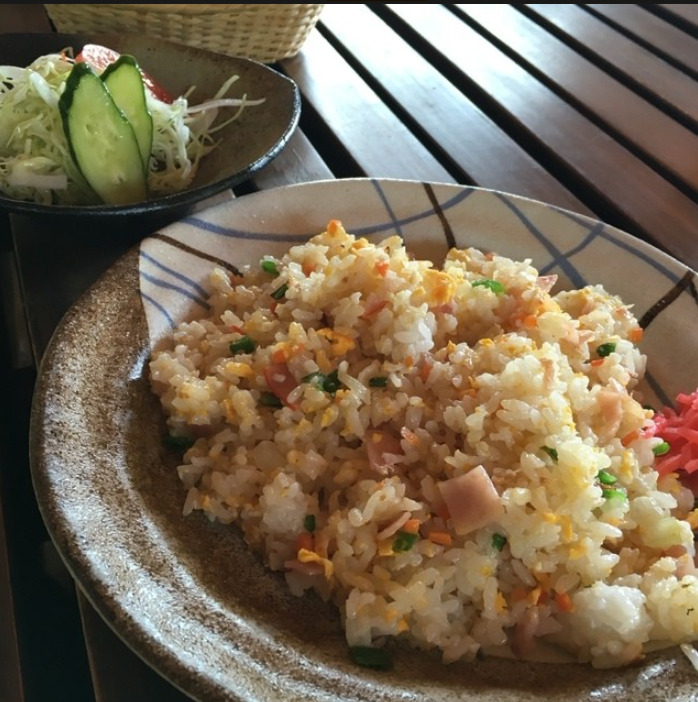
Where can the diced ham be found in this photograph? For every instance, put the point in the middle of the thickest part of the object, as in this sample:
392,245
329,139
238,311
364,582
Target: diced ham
373,305
309,568
523,639
611,406
472,500
546,282
281,382
383,449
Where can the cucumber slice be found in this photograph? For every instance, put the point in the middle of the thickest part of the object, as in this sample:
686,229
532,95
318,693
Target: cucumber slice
124,81
101,139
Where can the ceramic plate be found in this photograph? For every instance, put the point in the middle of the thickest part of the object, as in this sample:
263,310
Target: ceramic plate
186,594
246,145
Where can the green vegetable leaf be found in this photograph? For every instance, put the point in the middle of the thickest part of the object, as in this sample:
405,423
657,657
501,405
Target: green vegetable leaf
379,381
368,657
611,493
499,541
280,292
605,478
404,541
243,345
661,449
269,399
550,451
269,266
330,383
178,442
309,522
605,349
494,285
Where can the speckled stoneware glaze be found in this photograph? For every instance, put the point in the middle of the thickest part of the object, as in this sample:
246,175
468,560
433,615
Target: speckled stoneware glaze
186,594
246,145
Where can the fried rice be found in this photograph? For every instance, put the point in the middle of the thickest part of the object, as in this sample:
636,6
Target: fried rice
455,456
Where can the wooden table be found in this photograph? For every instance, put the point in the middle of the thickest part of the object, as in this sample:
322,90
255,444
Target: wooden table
591,107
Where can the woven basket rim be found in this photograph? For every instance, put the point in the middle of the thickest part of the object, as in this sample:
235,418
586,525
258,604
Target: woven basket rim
197,9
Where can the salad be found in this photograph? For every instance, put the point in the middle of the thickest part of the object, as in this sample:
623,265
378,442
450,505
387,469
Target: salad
95,128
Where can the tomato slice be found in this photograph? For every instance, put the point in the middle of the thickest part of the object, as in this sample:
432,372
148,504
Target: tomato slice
99,57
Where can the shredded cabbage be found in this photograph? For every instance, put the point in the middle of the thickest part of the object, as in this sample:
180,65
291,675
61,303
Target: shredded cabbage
35,160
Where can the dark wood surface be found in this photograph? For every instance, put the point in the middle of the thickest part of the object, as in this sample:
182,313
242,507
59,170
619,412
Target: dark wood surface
590,107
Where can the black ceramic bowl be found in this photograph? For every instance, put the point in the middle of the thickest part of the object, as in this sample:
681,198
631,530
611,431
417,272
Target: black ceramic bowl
246,145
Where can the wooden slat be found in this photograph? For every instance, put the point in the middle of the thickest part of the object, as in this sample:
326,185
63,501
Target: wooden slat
649,130
661,37
483,153
25,18
633,64
46,249
636,197
11,688
119,675
686,13
368,134
299,162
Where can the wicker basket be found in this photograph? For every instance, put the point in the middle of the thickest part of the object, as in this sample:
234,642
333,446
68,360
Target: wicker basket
266,33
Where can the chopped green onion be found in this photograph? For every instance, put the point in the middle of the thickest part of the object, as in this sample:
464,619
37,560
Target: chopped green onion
499,541
309,522
611,493
329,383
280,292
332,383
605,478
316,379
661,449
404,541
269,399
368,657
380,381
178,442
550,451
605,349
269,266
494,285
243,345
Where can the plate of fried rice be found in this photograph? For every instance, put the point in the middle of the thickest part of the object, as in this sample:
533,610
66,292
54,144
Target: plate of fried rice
383,440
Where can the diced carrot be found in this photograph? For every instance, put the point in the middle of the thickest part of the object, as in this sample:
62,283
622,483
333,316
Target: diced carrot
333,225
518,594
629,438
305,540
597,362
411,526
382,268
635,335
373,307
530,321
564,602
279,356
424,371
442,538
